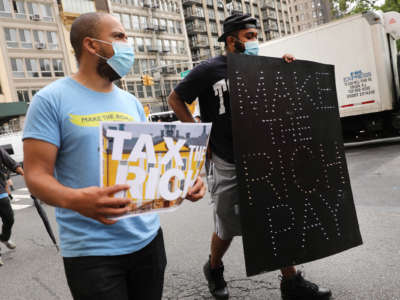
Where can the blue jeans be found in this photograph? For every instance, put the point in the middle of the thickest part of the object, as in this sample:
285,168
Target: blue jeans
139,275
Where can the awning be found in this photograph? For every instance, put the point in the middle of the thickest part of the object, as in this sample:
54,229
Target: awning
13,109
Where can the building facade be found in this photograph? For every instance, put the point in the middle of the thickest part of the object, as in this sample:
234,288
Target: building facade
204,22
306,14
32,53
157,31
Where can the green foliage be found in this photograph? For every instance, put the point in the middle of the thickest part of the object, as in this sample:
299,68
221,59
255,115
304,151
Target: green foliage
391,5
349,7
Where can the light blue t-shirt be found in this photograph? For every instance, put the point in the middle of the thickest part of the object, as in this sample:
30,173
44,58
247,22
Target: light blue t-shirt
67,114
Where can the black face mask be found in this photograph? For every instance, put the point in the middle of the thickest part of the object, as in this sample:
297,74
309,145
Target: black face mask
104,69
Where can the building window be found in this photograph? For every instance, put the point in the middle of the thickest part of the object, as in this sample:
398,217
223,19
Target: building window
17,67
143,65
11,37
159,44
171,27
19,9
52,40
47,13
58,67
126,21
157,88
181,45
148,44
33,9
149,92
143,22
32,67
135,23
39,37
45,67
139,44
174,49
163,24
5,9
136,69
140,92
167,85
130,86
166,46
178,27
23,95
25,38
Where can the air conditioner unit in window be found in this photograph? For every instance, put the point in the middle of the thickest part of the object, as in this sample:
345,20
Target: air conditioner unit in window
40,45
35,17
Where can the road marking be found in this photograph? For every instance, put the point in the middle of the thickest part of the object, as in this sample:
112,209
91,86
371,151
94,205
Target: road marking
19,206
21,196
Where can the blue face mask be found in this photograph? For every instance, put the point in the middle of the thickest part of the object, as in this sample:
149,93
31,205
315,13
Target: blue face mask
251,48
122,60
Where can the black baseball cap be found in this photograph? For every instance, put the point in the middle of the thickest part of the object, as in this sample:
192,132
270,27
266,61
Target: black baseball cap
237,22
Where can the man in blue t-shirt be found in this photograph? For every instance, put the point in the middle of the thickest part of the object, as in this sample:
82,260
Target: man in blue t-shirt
103,258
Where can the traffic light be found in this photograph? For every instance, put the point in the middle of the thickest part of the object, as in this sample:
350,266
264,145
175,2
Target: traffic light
147,80
150,80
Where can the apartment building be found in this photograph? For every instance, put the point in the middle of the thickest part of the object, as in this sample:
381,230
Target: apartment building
275,18
157,31
32,54
306,14
204,22
69,10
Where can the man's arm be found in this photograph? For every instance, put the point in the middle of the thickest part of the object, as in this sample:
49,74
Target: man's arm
93,202
180,108
7,161
19,171
197,191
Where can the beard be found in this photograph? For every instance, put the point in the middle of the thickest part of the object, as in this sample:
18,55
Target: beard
104,69
239,47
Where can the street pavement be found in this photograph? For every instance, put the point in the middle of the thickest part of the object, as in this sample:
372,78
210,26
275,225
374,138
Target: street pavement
369,272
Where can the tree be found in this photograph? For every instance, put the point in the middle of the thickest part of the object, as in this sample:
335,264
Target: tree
342,8
391,5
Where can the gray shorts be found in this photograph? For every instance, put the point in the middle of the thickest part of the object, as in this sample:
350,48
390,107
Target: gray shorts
224,190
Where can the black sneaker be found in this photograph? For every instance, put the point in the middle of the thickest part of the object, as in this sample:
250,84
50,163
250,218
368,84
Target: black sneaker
297,288
216,282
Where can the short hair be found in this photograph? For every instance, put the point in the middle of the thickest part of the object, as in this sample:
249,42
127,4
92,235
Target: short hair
86,25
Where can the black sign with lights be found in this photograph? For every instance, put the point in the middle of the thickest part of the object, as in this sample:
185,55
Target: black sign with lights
296,201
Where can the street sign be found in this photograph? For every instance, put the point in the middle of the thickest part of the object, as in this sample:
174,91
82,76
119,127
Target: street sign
184,73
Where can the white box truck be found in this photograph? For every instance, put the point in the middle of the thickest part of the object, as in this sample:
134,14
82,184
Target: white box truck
363,50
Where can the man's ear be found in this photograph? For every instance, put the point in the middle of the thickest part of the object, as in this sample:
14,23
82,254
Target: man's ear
89,45
230,40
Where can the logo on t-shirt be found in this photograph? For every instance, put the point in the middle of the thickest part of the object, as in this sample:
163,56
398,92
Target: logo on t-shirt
221,87
94,120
